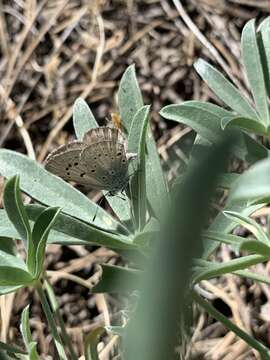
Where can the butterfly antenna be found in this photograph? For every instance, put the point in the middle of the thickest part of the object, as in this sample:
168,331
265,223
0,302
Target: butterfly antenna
120,197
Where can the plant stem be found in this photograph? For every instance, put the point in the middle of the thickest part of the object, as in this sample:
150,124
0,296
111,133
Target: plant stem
56,312
263,350
50,319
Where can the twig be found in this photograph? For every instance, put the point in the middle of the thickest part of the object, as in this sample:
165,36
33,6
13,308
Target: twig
213,51
16,51
11,107
84,94
33,46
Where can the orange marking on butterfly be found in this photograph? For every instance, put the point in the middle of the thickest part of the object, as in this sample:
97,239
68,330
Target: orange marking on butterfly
116,120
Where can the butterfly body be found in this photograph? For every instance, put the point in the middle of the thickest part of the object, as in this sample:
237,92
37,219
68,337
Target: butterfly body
99,160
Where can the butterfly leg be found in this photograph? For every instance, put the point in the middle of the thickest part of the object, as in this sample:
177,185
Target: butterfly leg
111,193
122,198
98,204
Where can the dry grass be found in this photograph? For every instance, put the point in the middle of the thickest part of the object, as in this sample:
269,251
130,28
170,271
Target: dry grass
54,51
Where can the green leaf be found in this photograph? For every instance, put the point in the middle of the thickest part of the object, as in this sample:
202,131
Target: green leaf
226,91
249,149
7,229
83,118
129,97
50,190
249,224
222,238
120,206
203,122
236,242
116,279
130,101
264,48
244,123
8,233
70,231
26,333
27,336
253,276
6,243
4,356
223,224
226,180
12,349
89,234
205,119
265,24
13,276
40,233
9,289
90,343
10,260
25,326
254,70
33,355
254,185
137,144
256,247
216,110
156,187
213,270
142,171
254,151
15,209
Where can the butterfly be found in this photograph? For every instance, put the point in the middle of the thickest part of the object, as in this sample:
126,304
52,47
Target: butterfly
99,161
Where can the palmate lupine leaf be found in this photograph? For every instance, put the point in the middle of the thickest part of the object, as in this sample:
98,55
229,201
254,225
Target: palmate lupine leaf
224,89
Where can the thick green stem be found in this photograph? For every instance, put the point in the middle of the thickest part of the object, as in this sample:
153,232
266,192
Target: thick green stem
50,319
56,312
263,350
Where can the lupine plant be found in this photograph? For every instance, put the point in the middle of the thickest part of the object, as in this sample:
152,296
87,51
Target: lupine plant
159,232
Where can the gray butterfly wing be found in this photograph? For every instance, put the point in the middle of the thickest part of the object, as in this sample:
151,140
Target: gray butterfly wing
106,158
103,133
65,162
